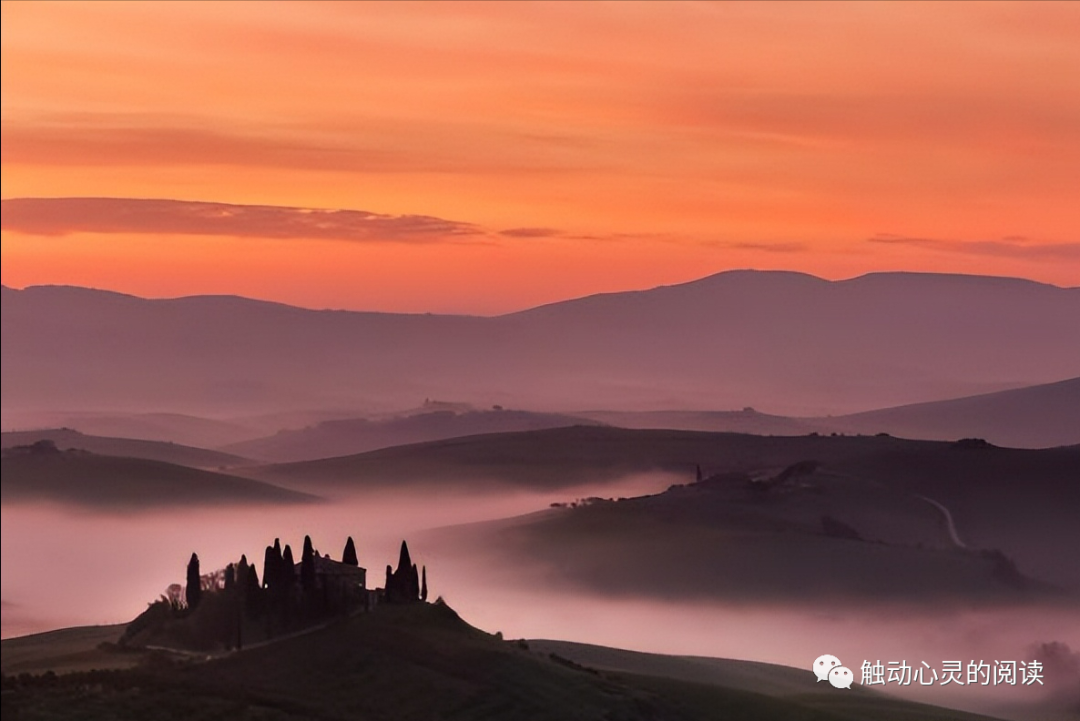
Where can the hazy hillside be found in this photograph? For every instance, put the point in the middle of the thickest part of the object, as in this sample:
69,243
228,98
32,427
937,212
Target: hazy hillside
424,662
66,438
1039,416
1035,417
86,479
782,342
356,435
1020,501
871,516
168,427
747,420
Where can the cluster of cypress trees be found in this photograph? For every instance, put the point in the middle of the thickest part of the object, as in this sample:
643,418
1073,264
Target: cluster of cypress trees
291,592
405,585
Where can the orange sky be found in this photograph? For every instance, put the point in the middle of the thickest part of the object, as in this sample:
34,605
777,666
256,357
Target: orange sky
623,145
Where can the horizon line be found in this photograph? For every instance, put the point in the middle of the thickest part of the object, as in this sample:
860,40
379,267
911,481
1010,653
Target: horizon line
730,271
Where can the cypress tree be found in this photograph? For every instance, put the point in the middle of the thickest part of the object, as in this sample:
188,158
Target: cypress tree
230,577
307,566
271,563
288,569
193,592
252,592
404,560
423,585
414,583
285,585
242,574
349,554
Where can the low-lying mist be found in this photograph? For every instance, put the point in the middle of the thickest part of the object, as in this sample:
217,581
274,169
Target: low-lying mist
63,567
66,565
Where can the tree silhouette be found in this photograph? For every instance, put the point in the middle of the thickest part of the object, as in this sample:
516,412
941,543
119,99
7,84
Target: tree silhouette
403,584
271,566
288,568
230,577
193,593
349,554
242,574
423,585
307,566
253,594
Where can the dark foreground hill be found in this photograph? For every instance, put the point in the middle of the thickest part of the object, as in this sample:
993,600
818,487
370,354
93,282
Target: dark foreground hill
104,482
423,662
67,438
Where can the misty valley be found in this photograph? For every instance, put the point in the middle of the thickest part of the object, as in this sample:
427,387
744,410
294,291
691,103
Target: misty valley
565,558
540,361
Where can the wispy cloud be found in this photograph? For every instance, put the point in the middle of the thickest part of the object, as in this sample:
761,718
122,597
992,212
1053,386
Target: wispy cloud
63,216
150,216
353,145
531,233
1007,247
772,247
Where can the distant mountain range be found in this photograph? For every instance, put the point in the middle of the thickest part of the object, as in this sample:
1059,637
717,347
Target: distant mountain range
786,343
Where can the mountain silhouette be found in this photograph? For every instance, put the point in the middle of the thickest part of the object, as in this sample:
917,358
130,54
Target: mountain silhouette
784,342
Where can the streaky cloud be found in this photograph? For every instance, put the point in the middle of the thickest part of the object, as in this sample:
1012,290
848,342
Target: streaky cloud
64,216
1006,247
530,232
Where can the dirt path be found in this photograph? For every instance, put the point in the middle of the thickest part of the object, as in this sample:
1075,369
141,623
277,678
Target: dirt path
948,521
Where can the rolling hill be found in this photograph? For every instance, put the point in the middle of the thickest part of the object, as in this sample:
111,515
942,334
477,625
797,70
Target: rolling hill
786,342
356,435
747,420
67,438
1020,501
110,482
1039,416
179,428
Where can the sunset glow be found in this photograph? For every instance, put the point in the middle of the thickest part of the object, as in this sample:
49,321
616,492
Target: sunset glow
499,156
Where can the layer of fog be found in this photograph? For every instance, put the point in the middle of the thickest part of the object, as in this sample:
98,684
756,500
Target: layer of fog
62,567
